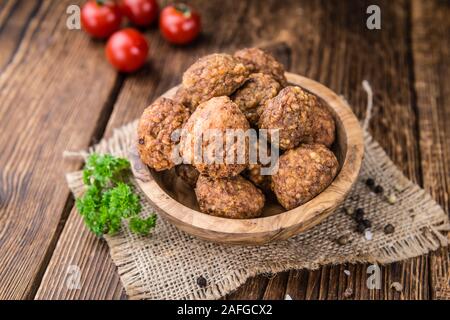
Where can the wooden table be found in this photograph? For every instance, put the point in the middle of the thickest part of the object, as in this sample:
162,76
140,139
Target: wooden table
57,92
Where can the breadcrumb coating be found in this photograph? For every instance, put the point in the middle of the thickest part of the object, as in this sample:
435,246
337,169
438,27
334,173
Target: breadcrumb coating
303,173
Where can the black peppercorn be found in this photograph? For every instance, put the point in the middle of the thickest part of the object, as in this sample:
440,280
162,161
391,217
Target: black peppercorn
378,189
367,223
389,228
360,227
201,281
343,240
141,141
370,182
359,214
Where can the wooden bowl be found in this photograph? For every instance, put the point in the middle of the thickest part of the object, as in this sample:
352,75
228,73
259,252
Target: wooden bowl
176,201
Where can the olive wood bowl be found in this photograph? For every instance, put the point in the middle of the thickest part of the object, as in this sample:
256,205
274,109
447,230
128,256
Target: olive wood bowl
174,200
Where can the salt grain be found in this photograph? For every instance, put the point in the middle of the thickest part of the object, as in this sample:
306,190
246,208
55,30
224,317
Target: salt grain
287,297
347,272
368,235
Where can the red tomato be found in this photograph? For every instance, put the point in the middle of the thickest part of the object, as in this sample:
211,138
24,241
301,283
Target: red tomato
127,50
100,20
140,12
179,23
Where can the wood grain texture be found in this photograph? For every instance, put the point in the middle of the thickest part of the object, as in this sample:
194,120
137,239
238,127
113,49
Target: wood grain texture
333,46
326,41
431,57
162,72
43,112
15,17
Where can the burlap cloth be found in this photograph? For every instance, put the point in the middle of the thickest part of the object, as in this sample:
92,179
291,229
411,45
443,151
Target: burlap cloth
167,264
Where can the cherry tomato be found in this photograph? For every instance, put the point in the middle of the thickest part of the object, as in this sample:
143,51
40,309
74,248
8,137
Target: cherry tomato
179,23
100,19
127,50
140,12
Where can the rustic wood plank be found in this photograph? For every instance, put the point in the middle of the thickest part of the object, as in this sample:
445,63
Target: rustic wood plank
46,108
431,56
15,17
338,50
99,279
329,42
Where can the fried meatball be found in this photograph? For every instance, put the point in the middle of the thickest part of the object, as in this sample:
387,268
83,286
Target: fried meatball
323,128
188,173
291,111
303,173
211,76
207,144
155,129
257,60
234,197
253,172
254,93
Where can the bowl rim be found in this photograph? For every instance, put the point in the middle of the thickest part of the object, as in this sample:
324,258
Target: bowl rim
308,214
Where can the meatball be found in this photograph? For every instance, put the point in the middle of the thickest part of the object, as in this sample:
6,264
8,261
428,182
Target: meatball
211,76
253,95
234,197
291,111
155,129
323,128
188,173
253,172
303,173
257,60
208,141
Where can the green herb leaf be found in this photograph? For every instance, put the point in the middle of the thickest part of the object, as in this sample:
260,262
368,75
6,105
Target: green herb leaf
142,226
103,169
108,199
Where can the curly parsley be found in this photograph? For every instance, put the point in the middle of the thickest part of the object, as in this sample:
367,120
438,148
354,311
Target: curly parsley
109,199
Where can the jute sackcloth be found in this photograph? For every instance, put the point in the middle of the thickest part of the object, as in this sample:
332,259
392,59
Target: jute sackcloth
167,264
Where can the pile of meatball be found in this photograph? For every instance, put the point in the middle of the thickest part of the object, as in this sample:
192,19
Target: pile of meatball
241,91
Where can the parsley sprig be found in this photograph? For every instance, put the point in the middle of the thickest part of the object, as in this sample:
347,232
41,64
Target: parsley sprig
109,198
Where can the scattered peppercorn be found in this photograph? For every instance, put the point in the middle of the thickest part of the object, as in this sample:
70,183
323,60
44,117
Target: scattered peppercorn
397,286
360,227
367,223
389,228
349,211
348,293
359,214
392,199
343,240
141,141
378,189
201,281
370,182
